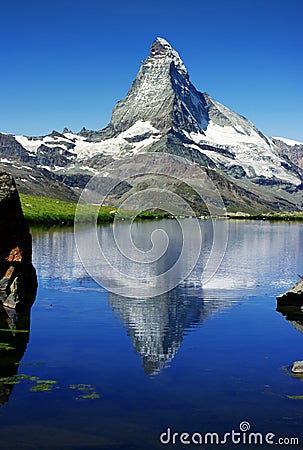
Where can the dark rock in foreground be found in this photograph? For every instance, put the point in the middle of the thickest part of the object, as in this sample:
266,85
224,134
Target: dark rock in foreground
293,296
18,281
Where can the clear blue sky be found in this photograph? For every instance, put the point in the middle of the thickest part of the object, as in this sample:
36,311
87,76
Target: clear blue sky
66,63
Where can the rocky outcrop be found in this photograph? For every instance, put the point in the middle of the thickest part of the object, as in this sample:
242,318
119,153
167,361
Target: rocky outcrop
53,156
32,181
18,282
12,150
293,296
297,367
36,165
291,150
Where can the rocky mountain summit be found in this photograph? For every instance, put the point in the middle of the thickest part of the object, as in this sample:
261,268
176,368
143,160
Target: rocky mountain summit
164,113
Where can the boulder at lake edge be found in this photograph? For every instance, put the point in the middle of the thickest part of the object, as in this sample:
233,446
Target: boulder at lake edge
18,281
292,297
297,367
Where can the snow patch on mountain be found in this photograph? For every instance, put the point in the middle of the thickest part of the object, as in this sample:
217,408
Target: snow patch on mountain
254,153
233,135
131,141
32,144
288,141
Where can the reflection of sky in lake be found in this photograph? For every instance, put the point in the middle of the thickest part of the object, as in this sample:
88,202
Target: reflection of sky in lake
245,264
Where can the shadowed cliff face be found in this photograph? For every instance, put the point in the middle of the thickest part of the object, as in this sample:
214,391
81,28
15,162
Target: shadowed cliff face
18,282
290,150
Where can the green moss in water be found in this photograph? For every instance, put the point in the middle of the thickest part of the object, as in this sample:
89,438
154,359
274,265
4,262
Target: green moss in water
295,397
9,380
91,396
82,387
46,382
13,330
16,379
5,346
41,387
86,391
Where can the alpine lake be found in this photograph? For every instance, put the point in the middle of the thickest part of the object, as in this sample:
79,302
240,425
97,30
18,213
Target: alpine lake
200,366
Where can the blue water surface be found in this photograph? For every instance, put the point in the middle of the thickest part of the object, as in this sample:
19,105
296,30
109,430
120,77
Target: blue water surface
197,359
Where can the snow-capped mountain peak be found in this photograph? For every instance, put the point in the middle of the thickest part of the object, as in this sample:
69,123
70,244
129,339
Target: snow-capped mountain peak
163,112
161,48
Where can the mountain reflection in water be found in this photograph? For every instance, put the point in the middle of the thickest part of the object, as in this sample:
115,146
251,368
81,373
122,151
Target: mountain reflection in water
157,325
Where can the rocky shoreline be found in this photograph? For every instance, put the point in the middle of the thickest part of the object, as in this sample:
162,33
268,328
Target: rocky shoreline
292,297
290,305
18,281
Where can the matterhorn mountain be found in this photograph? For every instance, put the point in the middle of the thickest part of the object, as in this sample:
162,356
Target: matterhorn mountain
164,113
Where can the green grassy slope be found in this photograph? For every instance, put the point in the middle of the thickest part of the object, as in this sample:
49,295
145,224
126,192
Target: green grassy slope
42,210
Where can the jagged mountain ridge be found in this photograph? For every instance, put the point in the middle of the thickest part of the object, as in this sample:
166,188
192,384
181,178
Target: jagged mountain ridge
163,112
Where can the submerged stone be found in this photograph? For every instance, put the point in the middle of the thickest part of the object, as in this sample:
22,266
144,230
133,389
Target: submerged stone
297,367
